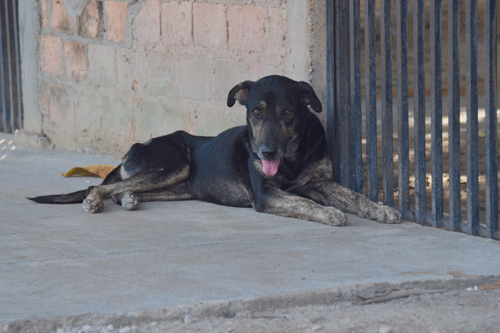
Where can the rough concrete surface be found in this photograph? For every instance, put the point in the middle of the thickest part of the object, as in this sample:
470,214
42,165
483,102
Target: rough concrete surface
453,311
193,266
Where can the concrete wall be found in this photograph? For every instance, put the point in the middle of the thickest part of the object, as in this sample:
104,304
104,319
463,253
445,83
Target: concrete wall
101,75
29,35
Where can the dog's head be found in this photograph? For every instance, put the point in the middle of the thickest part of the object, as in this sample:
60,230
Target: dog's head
277,113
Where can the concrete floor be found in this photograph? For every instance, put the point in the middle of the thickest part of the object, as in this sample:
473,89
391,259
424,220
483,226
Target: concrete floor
57,260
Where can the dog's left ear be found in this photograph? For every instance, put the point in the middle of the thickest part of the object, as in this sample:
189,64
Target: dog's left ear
239,93
309,96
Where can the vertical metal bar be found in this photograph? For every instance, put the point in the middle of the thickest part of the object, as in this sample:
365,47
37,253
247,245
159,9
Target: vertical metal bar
19,114
436,116
472,121
387,126
454,114
419,109
343,82
371,100
330,84
403,136
9,63
332,121
3,114
356,129
491,68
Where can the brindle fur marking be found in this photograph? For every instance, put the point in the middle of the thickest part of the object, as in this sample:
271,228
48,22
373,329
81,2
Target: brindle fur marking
228,169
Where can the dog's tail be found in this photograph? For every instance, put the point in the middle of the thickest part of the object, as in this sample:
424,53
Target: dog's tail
75,197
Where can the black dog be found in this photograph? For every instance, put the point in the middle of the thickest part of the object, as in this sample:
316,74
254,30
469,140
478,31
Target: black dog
278,163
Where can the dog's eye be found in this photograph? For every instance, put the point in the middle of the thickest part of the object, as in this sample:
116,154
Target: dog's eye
257,112
287,112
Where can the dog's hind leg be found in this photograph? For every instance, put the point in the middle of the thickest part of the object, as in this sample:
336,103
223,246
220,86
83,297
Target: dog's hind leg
177,192
125,192
130,201
160,163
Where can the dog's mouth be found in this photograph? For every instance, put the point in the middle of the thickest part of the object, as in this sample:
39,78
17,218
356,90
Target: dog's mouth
270,168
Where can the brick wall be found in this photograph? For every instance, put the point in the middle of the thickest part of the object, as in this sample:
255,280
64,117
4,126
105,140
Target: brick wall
116,72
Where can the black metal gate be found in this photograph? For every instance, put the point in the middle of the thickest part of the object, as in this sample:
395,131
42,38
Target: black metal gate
439,54
11,111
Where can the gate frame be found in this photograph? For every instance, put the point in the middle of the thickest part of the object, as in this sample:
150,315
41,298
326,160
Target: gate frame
344,109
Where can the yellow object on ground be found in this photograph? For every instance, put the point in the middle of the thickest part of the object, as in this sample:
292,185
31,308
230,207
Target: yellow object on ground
495,285
95,170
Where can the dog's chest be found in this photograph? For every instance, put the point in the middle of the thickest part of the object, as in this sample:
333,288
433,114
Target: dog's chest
316,172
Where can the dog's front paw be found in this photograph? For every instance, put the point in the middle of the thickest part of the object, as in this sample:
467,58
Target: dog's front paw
93,204
129,201
335,217
384,214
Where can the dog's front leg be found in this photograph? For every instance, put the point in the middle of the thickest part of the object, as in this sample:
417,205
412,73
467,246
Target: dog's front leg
278,202
332,194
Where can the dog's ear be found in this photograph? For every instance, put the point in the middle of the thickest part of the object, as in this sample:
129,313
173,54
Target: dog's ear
309,96
239,93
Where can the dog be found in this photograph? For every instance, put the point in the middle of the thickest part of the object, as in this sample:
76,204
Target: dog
278,163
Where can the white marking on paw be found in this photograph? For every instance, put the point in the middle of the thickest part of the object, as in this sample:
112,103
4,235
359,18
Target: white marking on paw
92,205
129,201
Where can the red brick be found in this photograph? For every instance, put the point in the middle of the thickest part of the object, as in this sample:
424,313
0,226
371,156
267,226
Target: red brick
176,23
116,16
60,18
277,31
45,17
209,24
246,28
75,60
90,20
51,54
146,27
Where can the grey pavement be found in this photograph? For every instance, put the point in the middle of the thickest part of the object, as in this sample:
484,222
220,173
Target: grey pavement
57,260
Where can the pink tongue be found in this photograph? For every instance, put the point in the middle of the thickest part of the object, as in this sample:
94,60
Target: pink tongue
270,167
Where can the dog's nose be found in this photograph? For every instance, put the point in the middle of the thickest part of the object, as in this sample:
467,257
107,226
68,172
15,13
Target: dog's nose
268,154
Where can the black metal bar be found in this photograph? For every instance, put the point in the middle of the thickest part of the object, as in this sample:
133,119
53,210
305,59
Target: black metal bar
387,126
436,116
3,114
403,135
331,95
419,109
472,120
10,116
454,114
18,117
371,100
343,125
356,127
491,118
